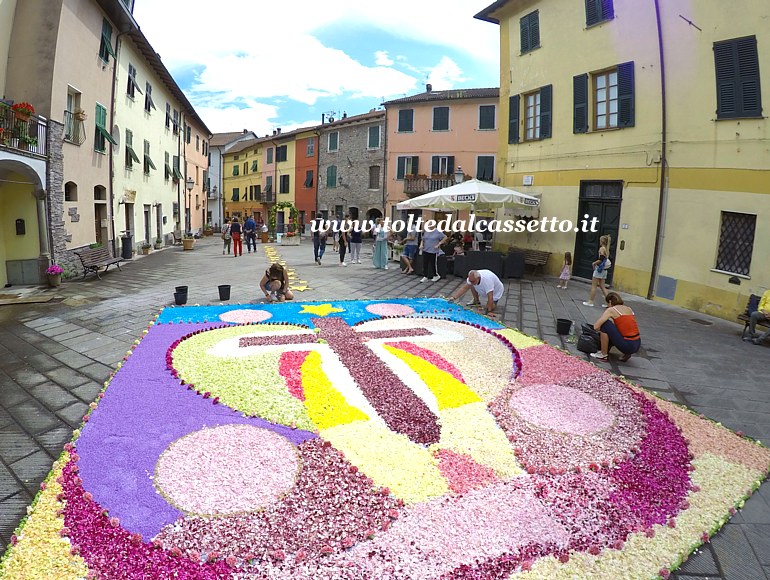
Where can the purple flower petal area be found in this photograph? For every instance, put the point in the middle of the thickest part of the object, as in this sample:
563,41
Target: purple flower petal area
144,399
112,552
331,507
541,449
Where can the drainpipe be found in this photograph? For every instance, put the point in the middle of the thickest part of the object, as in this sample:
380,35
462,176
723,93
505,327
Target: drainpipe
385,164
112,154
317,133
663,196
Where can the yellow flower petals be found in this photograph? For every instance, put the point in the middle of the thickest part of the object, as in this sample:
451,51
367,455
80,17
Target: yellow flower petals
325,405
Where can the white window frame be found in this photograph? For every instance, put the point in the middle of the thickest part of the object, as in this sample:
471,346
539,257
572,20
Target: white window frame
379,138
532,116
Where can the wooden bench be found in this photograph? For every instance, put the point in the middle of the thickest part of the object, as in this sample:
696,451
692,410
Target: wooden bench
751,306
535,258
95,258
177,238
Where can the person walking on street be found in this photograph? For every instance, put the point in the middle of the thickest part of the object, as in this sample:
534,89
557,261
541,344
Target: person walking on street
356,241
235,232
431,248
409,252
319,238
343,240
250,232
227,237
380,255
601,265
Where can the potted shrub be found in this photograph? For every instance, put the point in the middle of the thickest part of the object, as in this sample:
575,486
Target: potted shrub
146,248
188,241
208,230
54,273
158,243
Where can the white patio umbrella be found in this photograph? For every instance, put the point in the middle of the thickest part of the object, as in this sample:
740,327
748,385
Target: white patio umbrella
471,194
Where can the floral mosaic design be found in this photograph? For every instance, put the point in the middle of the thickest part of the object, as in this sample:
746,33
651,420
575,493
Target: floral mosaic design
389,439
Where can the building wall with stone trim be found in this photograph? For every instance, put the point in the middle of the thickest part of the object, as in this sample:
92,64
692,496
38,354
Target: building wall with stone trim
353,160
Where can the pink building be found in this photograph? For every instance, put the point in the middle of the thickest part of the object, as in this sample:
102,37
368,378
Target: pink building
432,134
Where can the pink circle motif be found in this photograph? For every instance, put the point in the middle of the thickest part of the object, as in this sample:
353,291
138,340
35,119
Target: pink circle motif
245,316
389,309
561,409
227,469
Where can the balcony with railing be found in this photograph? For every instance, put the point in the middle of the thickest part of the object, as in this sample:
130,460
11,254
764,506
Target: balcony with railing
415,185
74,127
23,133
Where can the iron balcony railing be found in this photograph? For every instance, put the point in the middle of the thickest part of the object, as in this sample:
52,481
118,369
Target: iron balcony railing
74,127
23,133
420,185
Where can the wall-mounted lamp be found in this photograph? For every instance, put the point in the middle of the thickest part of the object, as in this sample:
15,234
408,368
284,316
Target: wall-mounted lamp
339,179
190,184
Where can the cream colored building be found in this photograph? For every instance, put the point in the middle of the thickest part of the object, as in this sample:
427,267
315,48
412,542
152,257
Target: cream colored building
53,185
654,125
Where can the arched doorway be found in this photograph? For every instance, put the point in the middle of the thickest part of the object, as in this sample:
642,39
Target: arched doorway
373,214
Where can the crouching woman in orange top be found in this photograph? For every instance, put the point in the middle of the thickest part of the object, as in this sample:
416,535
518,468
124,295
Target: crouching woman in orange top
617,327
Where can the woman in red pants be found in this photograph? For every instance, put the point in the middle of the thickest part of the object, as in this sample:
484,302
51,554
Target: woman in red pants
235,232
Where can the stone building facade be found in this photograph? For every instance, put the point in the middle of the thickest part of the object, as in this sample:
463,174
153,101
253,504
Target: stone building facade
351,166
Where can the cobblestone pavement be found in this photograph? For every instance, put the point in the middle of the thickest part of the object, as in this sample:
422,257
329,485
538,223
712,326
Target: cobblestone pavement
55,356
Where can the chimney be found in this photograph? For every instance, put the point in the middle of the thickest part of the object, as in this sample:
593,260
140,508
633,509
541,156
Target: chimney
273,132
245,131
323,118
344,115
428,88
278,130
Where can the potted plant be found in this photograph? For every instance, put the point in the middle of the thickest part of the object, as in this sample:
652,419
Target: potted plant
23,111
27,142
146,248
208,230
54,273
158,243
80,114
188,241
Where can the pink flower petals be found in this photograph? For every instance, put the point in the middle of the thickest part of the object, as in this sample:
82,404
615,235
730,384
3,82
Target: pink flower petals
245,316
387,309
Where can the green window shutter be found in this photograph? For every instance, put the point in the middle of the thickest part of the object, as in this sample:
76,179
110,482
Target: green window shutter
401,168
415,165
331,176
253,166
487,117
599,11
580,104
450,165
524,30
737,77
608,9
434,161
236,169
534,30
441,118
546,98
132,154
406,120
513,119
101,116
626,112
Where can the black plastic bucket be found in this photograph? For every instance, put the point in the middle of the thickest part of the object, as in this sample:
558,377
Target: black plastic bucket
182,289
224,292
180,298
563,325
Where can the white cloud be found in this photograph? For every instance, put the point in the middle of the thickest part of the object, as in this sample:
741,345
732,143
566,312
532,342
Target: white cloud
381,58
255,58
445,75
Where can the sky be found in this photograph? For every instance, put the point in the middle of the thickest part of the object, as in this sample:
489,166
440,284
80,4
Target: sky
260,65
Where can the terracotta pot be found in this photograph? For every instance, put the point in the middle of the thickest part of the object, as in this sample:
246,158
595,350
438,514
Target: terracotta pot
188,243
21,116
54,280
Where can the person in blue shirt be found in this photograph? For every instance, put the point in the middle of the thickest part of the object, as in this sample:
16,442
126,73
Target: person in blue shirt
250,232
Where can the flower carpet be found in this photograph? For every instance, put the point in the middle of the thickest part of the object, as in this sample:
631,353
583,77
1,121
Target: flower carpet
400,439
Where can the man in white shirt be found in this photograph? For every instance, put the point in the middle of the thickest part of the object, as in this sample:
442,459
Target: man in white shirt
481,283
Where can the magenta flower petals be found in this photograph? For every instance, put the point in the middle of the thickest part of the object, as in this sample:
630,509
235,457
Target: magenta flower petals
438,361
290,368
542,365
227,469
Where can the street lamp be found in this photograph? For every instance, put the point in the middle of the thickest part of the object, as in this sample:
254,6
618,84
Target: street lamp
459,175
189,184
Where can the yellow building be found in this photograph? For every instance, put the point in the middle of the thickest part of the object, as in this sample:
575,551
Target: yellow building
647,116
242,180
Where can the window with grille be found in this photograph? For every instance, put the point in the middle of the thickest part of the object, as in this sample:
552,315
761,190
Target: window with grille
736,242
406,120
737,76
374,177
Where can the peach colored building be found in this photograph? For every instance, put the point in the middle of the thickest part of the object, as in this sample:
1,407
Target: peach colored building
432,134
196,150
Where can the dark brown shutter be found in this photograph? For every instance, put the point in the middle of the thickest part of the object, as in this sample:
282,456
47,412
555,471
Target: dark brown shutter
580,104
513,119
546,93
626,112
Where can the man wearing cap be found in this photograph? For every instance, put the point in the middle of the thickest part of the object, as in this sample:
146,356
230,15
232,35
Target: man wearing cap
481,283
